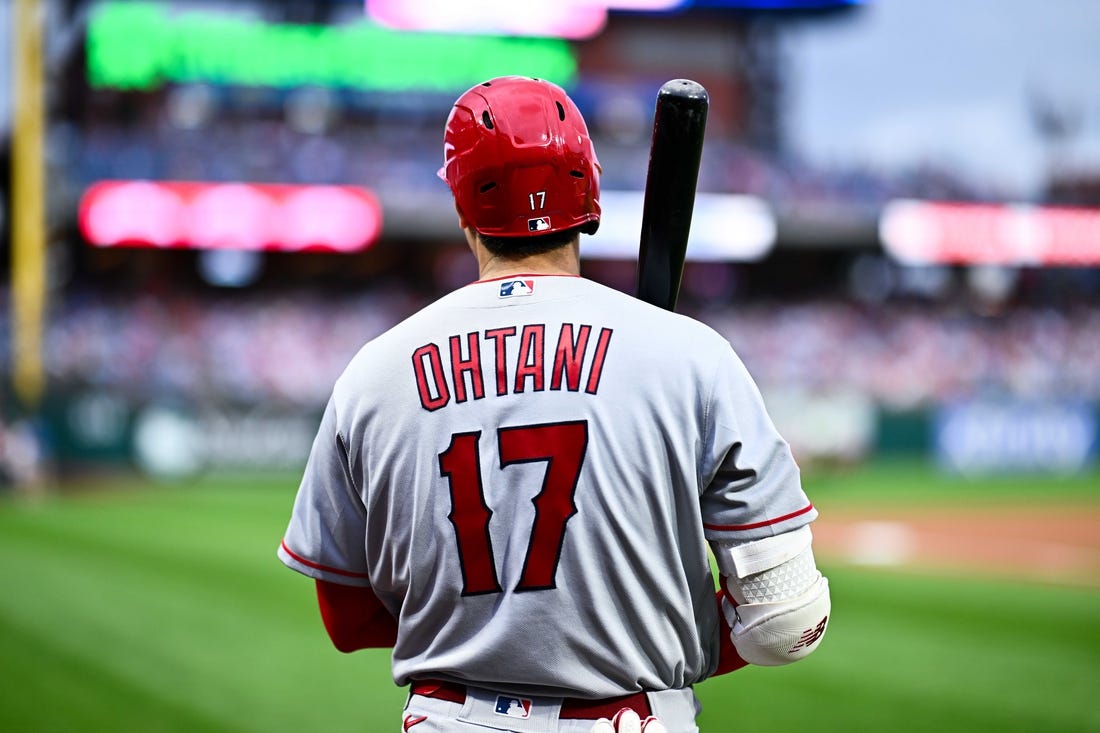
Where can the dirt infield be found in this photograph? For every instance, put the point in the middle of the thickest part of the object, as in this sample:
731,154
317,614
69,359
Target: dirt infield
1059,544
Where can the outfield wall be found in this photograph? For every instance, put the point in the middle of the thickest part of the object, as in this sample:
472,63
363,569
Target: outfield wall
84,429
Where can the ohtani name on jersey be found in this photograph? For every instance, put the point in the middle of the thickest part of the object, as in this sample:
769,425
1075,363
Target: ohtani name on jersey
458,369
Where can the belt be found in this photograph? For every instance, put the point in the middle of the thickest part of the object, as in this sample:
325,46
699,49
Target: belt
572,708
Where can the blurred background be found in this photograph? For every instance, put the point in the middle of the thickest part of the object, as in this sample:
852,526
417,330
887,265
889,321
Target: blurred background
208,206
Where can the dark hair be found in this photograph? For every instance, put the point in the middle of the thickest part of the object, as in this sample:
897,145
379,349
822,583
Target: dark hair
526,246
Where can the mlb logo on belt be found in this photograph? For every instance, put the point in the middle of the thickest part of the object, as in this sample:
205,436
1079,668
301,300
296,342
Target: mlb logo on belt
513,707
511,288
540,224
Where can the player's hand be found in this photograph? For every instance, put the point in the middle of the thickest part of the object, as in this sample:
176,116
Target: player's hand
628,721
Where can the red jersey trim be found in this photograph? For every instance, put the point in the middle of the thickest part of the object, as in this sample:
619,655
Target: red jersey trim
318,566
765,523
524,274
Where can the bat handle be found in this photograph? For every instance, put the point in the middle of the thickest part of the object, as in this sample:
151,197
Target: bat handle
679,123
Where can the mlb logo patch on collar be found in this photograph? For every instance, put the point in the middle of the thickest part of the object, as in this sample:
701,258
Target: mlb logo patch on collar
513,707
512,288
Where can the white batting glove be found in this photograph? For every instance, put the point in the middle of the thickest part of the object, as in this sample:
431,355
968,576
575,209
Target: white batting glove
628,721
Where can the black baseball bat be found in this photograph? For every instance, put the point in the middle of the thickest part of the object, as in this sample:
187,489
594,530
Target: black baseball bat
679,121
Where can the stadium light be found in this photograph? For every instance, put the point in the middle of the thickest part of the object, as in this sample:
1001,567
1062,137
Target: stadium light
724,228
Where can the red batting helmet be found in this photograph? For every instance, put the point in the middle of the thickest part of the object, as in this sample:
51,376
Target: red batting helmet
518,159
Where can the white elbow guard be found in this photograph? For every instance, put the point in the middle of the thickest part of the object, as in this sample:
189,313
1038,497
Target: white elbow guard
782,599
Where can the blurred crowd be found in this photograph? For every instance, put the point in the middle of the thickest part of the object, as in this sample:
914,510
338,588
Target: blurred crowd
916,356
401,156
289,348
313,136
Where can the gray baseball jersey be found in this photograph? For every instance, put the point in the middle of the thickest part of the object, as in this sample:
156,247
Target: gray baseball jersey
527,472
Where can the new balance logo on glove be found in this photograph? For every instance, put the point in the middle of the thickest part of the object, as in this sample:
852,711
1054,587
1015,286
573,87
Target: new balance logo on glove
809,636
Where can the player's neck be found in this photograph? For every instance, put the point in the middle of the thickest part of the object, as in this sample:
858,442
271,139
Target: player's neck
563,261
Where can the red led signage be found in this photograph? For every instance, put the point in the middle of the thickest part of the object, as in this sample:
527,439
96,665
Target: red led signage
248,216
928,232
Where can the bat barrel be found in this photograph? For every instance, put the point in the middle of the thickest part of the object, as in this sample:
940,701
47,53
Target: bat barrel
679,122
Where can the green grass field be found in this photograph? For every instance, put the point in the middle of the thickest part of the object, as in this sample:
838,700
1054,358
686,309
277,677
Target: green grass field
163,608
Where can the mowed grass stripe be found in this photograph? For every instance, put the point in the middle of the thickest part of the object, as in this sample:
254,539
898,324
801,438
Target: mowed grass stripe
911,481
165,609
228,548
159,611
51,690
909,653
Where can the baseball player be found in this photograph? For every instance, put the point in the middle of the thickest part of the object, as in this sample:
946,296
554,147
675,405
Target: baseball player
516,487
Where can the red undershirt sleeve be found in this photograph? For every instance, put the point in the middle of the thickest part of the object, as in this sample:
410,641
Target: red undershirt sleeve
354,617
